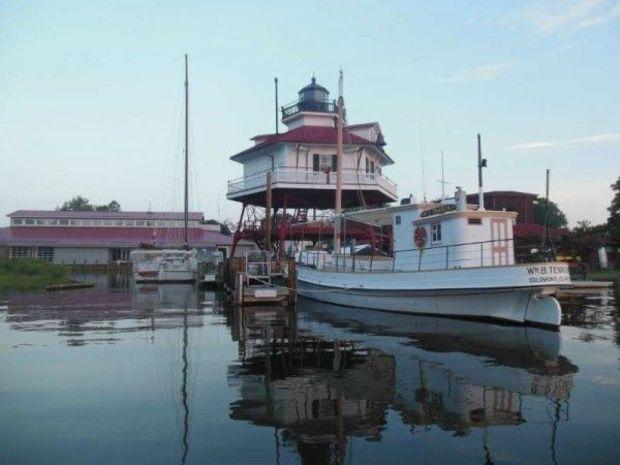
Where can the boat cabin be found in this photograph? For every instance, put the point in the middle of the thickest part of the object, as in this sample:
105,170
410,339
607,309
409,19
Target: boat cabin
446,235
302,161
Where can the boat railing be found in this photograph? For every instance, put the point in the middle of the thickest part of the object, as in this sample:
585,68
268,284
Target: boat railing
500,252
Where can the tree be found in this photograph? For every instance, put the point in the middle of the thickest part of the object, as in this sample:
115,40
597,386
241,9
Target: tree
613,222
76,204
113,206
557,218
82,204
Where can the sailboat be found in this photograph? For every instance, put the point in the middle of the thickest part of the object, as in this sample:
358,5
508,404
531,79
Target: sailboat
170,265
449,259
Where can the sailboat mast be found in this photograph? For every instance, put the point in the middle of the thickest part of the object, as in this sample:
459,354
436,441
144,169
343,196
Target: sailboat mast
186,206
340,156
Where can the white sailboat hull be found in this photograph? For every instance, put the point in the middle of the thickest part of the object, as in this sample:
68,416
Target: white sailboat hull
512,294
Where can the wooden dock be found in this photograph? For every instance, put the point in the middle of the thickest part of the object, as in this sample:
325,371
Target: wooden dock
260,282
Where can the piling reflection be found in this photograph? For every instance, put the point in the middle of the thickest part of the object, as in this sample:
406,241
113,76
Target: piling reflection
334,374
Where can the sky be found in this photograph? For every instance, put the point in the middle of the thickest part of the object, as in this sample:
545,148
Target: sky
91,94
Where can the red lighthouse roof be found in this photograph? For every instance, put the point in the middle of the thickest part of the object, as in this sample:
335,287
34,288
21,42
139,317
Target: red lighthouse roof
310,135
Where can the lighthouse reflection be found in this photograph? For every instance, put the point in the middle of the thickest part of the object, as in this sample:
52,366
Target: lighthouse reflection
333,374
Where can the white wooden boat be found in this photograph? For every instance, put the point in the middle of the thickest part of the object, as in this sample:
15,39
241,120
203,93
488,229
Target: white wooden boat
450,259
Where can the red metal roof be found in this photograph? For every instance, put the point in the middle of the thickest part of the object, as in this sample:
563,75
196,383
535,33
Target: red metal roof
53,214
474,196
108,237
533,229
308,135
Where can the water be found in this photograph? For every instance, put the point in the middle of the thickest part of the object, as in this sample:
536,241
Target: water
164,375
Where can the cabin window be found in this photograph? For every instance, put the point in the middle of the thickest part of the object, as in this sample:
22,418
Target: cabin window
436,232
316,162
474,220
397,219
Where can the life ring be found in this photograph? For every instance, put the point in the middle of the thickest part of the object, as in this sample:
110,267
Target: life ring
419,237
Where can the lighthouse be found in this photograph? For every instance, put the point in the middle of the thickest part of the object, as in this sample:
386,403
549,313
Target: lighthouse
298,167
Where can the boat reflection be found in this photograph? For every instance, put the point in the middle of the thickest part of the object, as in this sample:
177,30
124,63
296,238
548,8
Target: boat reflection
335,373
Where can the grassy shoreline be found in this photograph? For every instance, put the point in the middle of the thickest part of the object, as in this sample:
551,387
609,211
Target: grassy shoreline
30,275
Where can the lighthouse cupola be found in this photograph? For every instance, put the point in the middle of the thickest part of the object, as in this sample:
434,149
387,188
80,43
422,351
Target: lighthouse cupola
313,108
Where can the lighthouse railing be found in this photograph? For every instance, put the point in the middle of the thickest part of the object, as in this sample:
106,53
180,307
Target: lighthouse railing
288,175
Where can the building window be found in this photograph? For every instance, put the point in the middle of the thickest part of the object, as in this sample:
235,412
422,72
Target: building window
397,219
45,253
74,223
17,222
118,223
39,222
97,222
29,221
63,222
120,255
129,223
107,222
20,252
140,223
474,220
436,232
52,222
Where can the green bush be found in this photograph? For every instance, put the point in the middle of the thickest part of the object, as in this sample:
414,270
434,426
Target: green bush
29,274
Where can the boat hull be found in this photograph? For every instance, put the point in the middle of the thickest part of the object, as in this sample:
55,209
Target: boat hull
165,277
404,293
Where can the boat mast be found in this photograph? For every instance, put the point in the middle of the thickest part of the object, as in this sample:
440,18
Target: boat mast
186,206
339,157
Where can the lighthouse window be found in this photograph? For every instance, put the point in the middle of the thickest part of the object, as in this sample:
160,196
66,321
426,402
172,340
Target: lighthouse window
316,162
334,162
436,232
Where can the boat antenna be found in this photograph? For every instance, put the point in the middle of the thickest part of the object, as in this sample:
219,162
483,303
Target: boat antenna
546,225
443,181
482,163
340,155
422,162
186,203
275,83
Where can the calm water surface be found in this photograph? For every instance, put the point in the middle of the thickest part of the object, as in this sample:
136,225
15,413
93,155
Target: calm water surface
164,375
